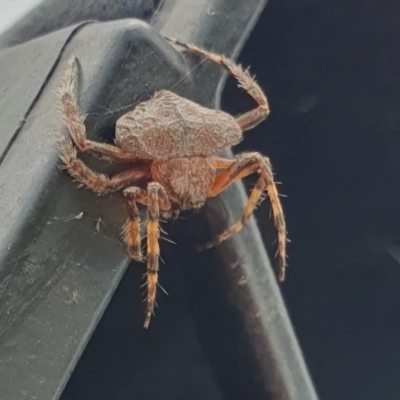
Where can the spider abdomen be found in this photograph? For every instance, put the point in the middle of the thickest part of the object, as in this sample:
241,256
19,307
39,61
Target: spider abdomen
168,126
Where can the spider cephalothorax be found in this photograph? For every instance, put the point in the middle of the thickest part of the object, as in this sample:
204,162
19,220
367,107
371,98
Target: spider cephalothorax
172,144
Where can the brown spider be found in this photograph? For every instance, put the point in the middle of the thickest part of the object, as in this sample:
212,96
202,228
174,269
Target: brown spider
176,142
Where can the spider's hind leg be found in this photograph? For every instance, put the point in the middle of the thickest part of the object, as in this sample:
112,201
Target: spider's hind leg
244,165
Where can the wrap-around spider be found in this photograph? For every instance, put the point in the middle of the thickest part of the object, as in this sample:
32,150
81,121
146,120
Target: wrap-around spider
173,144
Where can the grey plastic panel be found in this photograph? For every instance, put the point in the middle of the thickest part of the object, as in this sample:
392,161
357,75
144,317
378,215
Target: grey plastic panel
61,254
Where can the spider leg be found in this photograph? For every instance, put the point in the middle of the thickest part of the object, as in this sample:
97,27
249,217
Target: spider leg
74,119
131,229
222,163
244,165
156,199
251,118
99,183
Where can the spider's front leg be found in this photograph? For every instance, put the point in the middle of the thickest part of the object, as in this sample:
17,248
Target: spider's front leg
99,183
244,165
74,119
156,199
131,230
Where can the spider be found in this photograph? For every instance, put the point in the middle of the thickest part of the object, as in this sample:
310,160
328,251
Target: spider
173,144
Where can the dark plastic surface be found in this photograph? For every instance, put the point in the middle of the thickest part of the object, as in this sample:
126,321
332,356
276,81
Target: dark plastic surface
331,71
61,263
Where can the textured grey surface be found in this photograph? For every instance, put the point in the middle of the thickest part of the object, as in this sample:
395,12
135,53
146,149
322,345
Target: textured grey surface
53,289
21,85
53,15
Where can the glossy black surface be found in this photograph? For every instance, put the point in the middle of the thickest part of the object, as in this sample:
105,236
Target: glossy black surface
331,72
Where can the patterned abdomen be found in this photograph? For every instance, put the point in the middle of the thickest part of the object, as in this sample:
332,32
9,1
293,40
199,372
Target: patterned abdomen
168,126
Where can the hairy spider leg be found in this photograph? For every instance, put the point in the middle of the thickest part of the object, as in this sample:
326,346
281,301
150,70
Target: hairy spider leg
74,119
99,183
156,199
249,119
131,229
244,165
